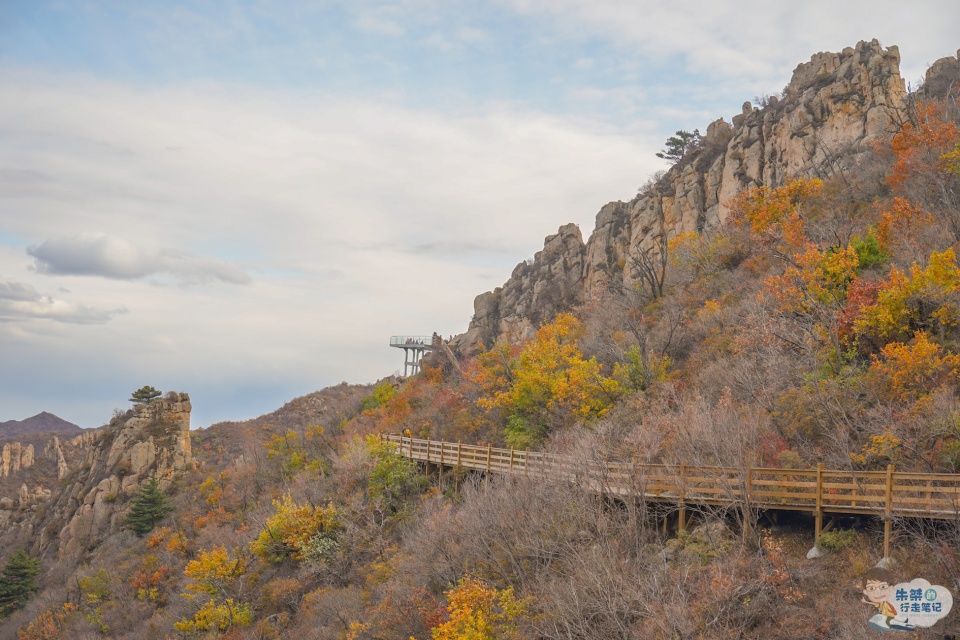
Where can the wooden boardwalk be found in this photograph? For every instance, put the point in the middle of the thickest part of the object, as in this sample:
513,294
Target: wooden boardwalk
886,494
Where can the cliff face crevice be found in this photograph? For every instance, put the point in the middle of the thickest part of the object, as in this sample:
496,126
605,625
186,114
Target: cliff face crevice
835,104
98,472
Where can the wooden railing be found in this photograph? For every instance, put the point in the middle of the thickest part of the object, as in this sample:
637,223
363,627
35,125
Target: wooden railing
887,493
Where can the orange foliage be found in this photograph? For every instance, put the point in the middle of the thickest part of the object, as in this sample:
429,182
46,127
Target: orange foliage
777,216
860,294
48,625
150,579
908,371
923,146
901,223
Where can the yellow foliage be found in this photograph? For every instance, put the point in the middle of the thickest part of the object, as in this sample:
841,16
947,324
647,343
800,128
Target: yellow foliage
952,160
212,571
551,372
925,298
879,451
480,612
290,531
216,618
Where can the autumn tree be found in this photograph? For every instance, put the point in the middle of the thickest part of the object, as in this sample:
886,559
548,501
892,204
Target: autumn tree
216,578
298,531
924,170
549,382
778,216
926,298
382,393
480,612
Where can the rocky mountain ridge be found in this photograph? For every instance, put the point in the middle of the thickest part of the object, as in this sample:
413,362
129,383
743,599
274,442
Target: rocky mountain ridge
97,472
836,105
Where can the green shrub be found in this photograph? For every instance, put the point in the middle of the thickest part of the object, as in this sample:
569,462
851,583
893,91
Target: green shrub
837,540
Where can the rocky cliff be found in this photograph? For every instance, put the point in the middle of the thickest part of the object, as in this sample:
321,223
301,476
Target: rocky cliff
15,456
97,473
836,104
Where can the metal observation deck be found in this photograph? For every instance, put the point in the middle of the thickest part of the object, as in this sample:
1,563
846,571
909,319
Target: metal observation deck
413,348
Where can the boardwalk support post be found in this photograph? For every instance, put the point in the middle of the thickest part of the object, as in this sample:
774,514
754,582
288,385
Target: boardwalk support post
818,512
682,520
456,475
888,515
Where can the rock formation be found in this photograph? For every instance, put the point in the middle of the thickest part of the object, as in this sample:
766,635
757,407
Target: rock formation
836,104
15,457
101,469
54,453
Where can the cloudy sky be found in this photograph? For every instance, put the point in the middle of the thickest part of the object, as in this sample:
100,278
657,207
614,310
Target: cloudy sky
245,199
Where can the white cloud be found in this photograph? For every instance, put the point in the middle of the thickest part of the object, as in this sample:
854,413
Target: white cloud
357,219
758,41
99,254
22,302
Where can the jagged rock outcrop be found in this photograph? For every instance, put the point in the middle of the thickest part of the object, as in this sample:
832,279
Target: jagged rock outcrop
101,469
836,104
942,78
54,453
537,291
14,457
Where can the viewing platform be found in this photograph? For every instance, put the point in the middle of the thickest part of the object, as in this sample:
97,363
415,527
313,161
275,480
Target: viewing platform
413,348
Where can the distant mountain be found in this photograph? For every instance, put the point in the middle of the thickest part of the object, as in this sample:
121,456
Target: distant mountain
43,422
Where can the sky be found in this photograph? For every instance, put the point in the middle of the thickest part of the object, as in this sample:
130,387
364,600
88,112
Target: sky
244,200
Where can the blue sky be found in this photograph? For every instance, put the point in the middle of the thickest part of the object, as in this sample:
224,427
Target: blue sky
244,200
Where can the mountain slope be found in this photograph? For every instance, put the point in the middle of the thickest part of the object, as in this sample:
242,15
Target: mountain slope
41,423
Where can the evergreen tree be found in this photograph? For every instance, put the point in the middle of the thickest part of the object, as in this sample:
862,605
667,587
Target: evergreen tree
144,394
18,581
149,507
679,144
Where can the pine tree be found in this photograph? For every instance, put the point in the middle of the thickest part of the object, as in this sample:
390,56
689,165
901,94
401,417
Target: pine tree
149,507
18,581
144,394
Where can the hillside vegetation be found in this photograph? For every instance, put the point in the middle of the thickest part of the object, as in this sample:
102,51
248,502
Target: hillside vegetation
818,323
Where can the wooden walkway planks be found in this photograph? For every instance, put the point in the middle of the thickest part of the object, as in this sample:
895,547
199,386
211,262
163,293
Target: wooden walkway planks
886,494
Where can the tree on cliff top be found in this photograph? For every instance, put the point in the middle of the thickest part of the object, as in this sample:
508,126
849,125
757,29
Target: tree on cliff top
679,144
149,507
144,394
